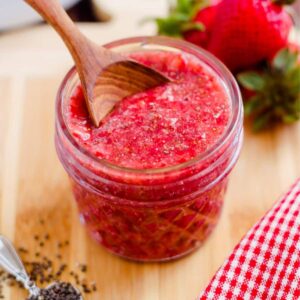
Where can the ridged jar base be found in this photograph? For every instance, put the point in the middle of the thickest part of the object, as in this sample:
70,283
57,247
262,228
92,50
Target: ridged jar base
154,231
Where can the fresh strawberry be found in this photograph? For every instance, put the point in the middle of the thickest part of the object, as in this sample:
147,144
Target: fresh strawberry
249,31
274,89
206,17
241,33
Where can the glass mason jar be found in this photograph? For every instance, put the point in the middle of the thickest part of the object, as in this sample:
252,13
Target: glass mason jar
153,214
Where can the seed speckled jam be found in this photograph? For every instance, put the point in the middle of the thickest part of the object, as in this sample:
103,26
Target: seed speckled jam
162,127
164,214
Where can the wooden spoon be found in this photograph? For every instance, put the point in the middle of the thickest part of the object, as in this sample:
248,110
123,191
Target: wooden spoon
107,77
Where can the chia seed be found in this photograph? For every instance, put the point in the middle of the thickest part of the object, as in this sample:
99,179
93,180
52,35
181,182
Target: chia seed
44,268
58,291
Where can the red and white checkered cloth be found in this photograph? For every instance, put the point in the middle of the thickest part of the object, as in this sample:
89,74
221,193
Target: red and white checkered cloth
265,265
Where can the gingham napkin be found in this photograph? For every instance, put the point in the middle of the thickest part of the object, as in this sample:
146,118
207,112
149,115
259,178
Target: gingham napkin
265,265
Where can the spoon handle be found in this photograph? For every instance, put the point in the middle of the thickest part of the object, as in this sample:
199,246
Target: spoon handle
11,262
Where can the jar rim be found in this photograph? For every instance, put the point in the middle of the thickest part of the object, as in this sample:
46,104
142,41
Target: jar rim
215,64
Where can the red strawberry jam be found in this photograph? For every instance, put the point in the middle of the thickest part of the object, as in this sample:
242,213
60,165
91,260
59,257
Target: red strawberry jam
162,127
150,181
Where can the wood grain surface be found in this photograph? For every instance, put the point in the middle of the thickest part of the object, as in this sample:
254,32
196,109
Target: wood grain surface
34,186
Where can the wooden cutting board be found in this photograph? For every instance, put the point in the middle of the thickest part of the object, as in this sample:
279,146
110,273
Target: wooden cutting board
34,186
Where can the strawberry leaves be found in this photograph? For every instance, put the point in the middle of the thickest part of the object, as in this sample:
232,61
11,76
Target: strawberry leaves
181,18
252,81
276,91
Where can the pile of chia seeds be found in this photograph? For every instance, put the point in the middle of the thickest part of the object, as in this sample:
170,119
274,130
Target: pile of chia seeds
58,291
46,265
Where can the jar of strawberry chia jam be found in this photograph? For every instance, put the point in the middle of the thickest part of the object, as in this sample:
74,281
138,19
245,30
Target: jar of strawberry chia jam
150,181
